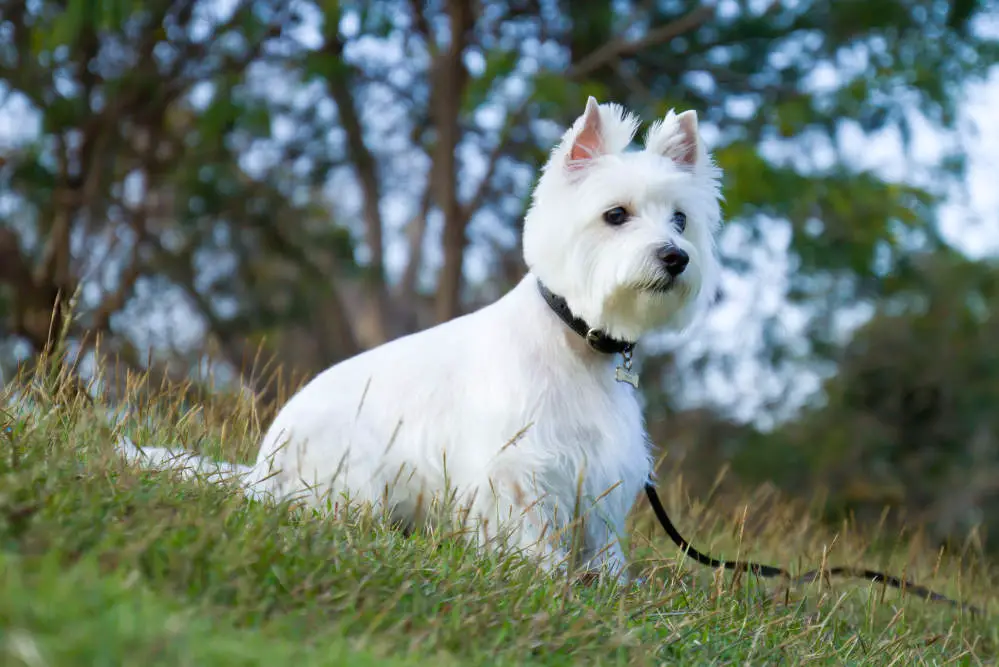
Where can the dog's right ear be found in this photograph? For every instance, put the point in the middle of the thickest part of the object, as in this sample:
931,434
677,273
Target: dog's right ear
589,142
676,137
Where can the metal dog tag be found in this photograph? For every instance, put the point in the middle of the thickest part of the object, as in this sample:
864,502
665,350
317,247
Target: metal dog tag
624,373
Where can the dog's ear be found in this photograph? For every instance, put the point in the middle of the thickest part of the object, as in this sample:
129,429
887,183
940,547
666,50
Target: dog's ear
675,137
686,150
589,141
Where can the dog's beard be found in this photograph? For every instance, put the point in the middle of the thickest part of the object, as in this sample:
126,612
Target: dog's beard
662,284
645,303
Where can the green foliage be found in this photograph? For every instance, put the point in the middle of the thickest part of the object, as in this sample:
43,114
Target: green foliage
908,422
500,63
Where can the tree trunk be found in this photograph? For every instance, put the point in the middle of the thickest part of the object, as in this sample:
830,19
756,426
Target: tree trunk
451,78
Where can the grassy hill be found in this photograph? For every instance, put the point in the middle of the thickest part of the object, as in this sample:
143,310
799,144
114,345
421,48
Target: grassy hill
101,564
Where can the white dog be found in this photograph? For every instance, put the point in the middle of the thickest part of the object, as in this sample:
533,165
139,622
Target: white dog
525,410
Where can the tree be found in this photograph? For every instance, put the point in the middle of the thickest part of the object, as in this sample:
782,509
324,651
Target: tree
136,180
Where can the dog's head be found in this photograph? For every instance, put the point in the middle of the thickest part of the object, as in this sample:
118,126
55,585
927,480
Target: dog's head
627,238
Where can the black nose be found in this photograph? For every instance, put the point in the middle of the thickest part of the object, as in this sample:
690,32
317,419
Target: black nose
674,259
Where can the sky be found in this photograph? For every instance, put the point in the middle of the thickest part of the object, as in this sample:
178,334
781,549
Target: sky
970,222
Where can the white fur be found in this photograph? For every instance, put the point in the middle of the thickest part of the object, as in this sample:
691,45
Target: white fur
507,406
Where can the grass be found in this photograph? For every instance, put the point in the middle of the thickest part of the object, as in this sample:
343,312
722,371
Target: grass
102,564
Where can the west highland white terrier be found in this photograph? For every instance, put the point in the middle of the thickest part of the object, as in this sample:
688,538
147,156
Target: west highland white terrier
525,411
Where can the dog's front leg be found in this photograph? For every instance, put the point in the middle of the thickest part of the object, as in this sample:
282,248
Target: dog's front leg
604,554
507,520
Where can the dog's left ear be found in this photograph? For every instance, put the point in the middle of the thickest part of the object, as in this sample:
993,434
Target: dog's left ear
675,137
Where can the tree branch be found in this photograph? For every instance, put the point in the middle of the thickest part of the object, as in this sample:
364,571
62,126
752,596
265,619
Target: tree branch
115,301
478,198
621,47
416,229
423,27
367,173
366,168
33,302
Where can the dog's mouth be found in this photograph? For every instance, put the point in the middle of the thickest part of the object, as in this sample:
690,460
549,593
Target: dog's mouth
662,285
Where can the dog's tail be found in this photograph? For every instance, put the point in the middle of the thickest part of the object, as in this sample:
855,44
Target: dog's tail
187,464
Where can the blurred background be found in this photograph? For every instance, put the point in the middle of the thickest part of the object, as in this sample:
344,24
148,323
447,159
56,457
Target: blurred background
244,186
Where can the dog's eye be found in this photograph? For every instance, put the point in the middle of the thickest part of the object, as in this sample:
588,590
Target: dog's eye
680,221
616,216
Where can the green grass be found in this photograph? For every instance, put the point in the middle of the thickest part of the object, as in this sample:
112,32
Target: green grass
102,564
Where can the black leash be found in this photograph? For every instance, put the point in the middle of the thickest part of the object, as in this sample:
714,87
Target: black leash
769,571
605,344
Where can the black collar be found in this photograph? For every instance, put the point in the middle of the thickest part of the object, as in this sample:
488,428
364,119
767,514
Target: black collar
597,340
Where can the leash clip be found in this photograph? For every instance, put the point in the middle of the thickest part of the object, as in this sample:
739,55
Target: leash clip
592,338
